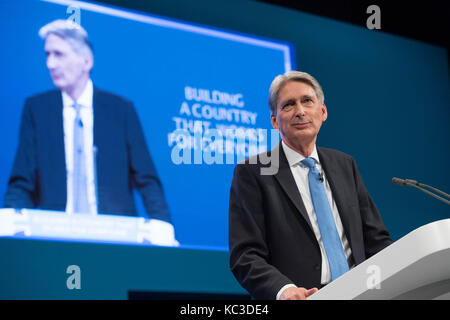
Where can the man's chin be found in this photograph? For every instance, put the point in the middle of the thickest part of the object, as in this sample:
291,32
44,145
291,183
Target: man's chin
300,137
61,85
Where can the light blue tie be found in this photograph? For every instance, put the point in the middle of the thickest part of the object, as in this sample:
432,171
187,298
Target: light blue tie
327,226
79,180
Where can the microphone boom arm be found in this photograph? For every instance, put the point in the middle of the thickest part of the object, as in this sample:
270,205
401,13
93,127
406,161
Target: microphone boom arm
415,184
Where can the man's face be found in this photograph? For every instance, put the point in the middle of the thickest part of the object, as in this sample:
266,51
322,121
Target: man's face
299,114
67,68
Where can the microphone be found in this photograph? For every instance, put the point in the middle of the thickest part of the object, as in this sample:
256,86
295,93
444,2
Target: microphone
418,185
320,177
404,182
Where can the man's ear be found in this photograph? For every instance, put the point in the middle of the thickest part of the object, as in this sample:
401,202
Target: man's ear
273,119
324,112
88,61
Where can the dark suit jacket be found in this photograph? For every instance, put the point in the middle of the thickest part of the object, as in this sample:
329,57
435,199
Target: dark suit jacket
38,177
270,236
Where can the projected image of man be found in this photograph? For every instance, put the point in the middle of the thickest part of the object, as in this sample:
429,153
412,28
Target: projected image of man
81,149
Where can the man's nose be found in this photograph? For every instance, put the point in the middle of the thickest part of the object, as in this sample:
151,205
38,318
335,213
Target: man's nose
299,110
51,62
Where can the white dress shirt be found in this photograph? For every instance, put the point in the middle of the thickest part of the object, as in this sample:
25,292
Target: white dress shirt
300,173
160,232
87,117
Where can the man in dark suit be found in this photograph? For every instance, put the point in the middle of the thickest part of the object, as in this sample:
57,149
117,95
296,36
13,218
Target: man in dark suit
295,230
81,149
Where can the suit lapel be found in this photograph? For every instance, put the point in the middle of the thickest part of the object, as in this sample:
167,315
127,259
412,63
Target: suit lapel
287,182
57,154
103,126
337,180
99,117
101,132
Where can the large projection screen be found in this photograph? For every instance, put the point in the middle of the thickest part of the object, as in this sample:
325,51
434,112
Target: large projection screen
189,83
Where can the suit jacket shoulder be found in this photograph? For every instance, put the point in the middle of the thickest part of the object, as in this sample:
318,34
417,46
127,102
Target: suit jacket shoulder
333,153
110,98
44,101
46,95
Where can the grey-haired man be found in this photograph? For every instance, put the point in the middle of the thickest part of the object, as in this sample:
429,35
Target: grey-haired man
309,222
81,149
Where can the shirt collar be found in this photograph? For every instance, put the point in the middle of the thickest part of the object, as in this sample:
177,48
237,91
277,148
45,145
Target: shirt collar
85,98
293,157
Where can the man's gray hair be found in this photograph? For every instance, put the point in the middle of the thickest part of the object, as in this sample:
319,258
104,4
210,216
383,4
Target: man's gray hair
282,79
70,31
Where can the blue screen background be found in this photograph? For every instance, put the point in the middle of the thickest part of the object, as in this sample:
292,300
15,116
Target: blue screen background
150,65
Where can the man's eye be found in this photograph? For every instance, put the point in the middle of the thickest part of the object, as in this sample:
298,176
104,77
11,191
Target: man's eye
288,104
56,54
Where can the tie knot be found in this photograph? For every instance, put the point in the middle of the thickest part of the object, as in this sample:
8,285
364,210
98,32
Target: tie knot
76,106
309,162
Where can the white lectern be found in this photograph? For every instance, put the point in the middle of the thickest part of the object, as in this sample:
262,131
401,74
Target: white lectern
416,266
59,225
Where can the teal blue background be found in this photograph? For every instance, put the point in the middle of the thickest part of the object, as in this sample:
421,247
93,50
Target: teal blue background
37,269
